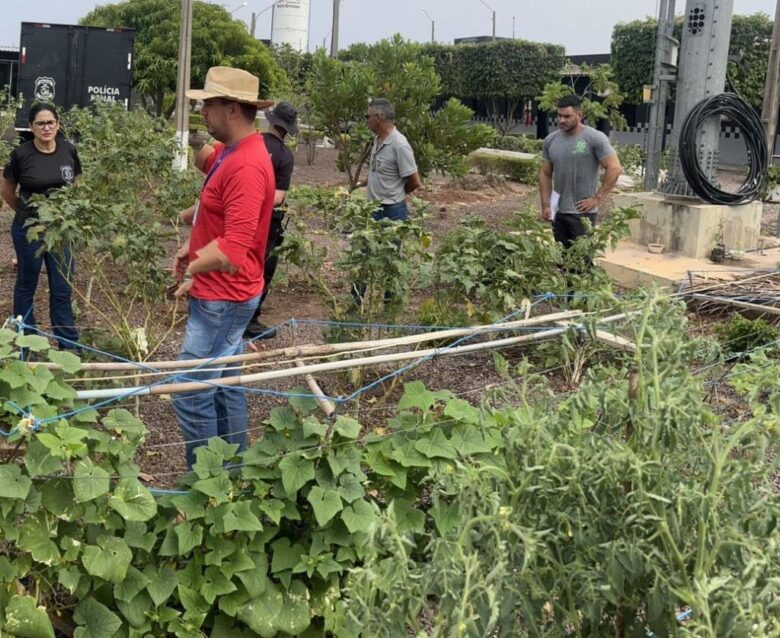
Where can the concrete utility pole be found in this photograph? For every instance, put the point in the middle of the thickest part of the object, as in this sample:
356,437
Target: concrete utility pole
183,85
772,90
334,38
662,77
703,62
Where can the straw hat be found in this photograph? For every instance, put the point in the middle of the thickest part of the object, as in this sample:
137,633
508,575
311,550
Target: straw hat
231,84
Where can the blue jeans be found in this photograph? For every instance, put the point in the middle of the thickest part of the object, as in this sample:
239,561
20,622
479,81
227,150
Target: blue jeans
396,212
59,269
214,329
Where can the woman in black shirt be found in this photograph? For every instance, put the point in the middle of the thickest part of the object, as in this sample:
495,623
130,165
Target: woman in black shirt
45,163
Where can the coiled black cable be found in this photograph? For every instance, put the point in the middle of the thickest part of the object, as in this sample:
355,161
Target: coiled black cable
743,115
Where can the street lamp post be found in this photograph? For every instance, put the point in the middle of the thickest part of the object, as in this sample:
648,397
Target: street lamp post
334,39
183,85
493,11
255,16
232,11
433,26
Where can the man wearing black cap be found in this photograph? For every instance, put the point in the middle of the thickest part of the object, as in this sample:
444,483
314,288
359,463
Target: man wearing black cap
283,121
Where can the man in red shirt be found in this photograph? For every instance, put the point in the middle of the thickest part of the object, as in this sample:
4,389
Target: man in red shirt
221,266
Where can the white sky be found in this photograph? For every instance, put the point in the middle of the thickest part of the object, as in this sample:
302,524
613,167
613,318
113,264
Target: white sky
582,26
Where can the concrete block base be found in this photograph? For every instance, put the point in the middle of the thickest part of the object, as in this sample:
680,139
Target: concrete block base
691,229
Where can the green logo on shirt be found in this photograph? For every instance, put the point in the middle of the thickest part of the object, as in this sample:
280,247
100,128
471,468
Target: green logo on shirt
580,148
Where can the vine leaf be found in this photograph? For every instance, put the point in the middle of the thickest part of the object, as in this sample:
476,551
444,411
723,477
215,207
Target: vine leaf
26,620
326,504
95,620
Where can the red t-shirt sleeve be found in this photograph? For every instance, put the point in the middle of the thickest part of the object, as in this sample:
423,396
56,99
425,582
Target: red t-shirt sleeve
244,193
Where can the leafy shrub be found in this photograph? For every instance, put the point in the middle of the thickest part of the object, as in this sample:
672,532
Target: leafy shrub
605,513
518,143
489,272
518,169
255,544
741,335
117,218
632,157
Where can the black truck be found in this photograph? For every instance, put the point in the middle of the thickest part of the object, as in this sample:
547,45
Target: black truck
71,65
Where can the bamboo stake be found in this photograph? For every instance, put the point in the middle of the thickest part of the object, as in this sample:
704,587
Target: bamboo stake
171,388
769,310
332,348
325,404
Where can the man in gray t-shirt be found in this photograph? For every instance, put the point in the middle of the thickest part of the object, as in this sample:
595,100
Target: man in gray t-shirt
392,171
571,158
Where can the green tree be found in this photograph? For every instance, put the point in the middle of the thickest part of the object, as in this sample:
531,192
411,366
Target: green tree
502,74
601,97
399,71
633,47
217,39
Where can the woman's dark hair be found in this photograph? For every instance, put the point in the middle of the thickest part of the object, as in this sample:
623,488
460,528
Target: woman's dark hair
43,106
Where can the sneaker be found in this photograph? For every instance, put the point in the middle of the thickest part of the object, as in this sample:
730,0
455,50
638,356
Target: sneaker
257,330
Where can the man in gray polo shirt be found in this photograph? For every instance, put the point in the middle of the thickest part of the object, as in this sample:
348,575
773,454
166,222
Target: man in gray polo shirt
571,157
392,171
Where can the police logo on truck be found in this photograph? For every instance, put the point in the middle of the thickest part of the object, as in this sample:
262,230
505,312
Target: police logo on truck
44,89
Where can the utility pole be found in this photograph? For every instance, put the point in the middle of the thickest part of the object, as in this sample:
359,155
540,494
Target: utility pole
334,38
433,26
662,78
493,11
513,27
183,85
702,73
253,25
772,87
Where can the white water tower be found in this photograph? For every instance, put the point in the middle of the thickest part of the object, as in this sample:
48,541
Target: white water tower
291,24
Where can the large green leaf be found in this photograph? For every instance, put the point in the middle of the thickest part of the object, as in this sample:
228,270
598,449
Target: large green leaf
285,555
295,615
163,582
12,483
90,481
132,501
95,620
416,395
133,584
33,342
23,618
39,461
260,614
348,428
359,517
190,536
123,422
68,361
109,559
326,504
241,519
296,472
436,445
35,537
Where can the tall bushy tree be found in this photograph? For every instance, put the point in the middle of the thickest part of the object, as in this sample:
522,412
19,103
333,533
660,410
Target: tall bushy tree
601,96
399,71
217,39
633,47
501,74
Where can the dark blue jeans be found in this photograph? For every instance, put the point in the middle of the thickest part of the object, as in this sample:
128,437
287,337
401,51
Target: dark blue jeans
59,269
214,329
397,212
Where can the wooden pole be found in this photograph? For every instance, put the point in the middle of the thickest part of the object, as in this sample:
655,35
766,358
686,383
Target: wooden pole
325,349
193,386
